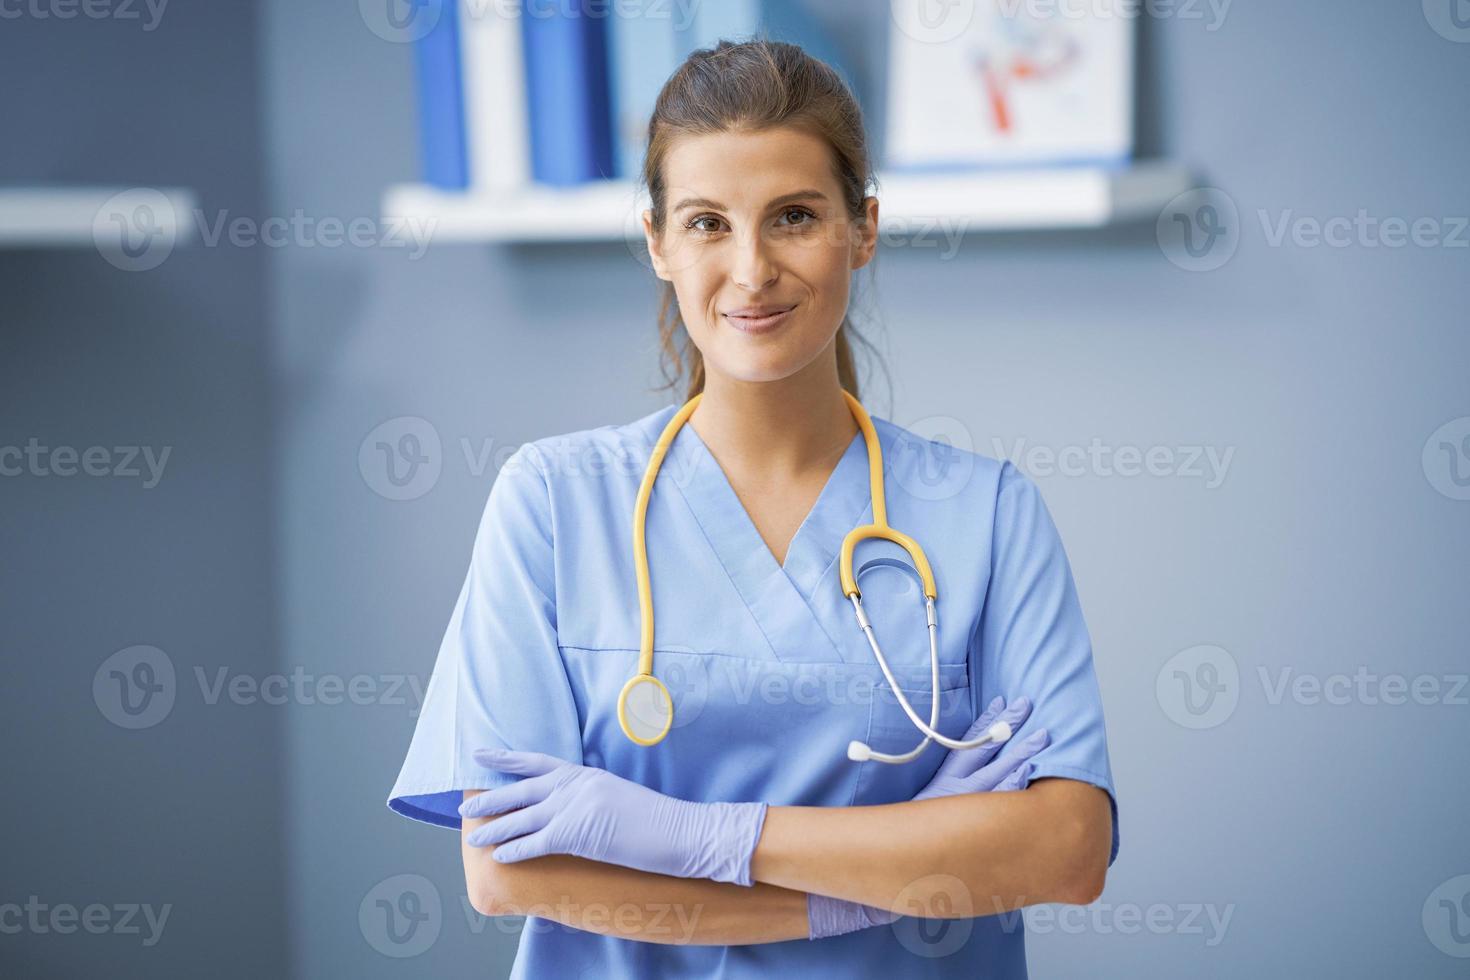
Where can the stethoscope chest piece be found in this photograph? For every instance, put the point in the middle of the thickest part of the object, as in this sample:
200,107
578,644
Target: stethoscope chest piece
645,709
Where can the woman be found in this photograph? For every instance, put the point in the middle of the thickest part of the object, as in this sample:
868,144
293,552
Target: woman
745,841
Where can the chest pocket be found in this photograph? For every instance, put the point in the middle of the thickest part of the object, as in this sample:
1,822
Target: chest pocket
893,599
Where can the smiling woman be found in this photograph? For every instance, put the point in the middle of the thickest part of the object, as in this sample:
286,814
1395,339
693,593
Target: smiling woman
738,810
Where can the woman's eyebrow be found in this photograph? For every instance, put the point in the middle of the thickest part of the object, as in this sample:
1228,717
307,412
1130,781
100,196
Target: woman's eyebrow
810,194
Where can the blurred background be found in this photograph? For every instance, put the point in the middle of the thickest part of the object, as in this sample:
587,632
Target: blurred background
269,323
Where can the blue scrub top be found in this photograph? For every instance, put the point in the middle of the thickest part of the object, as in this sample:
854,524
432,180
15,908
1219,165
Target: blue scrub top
770,675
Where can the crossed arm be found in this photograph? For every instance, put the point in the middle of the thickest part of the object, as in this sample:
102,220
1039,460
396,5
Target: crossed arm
976,854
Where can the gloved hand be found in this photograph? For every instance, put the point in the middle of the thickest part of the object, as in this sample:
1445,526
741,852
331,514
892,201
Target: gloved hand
564,808
962,771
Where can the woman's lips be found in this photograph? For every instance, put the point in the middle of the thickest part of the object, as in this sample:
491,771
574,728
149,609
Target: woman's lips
759,324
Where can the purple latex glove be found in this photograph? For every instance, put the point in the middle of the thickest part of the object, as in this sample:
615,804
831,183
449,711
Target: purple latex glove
962,771
564,808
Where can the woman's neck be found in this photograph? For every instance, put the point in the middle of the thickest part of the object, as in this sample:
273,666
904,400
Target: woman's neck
784,428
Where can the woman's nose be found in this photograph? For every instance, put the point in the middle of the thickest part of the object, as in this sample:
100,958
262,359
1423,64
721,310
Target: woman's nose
754,268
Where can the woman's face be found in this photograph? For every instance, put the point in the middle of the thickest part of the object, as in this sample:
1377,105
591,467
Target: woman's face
756,225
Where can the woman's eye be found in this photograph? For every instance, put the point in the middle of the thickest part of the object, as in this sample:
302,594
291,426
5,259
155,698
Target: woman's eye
696,224
800,214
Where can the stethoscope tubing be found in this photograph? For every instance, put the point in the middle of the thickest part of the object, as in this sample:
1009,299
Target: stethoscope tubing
879,528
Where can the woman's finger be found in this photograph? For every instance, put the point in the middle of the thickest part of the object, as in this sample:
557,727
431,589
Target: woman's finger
1018,778
992,776
966,762
1014,715
1018,752
520,763
956,762
512,796
517,824
530,846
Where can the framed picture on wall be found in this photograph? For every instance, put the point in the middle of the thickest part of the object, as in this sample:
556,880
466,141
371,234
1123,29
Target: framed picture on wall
1009,82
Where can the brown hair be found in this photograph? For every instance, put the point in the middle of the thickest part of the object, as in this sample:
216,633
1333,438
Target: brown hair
752,86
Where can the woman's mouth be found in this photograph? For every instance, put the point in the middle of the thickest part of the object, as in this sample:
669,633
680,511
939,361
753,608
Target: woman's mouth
757,320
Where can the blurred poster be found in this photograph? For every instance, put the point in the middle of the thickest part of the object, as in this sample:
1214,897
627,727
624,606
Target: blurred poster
985,82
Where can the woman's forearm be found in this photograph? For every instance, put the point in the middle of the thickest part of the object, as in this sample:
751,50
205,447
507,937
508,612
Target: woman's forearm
953,857
616,901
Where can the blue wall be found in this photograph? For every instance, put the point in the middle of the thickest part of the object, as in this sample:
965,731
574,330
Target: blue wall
1287,838
184,816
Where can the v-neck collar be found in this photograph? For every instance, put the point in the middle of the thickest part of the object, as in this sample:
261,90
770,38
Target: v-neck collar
778,596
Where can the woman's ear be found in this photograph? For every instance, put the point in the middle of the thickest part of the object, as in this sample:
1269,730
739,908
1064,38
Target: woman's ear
867,234
655,251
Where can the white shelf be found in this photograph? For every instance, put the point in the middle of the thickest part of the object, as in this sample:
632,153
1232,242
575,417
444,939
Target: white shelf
912,204
59,216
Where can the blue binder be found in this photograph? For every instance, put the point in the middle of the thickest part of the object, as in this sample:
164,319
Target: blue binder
445,161
567,95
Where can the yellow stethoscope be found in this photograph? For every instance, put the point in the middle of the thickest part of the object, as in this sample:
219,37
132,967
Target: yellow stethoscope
645,708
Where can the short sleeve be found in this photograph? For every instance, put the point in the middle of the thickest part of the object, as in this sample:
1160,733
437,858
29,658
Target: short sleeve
498,681
1032,641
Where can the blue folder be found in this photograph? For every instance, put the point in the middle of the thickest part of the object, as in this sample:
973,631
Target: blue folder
567,91
445,160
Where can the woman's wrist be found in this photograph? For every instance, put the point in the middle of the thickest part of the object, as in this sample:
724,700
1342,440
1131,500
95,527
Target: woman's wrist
717,840
827,916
